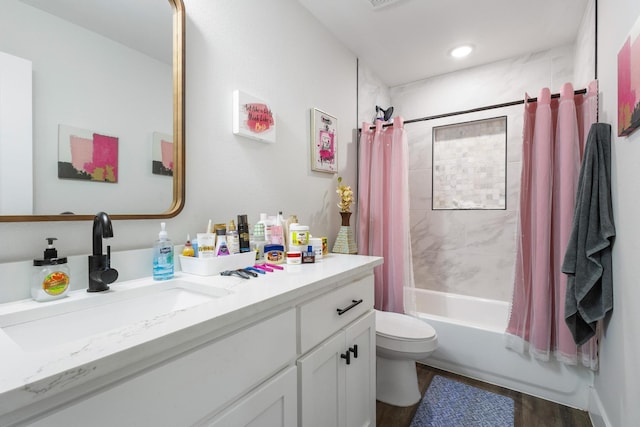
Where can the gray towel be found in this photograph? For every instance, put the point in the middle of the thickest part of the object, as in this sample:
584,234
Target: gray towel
587,261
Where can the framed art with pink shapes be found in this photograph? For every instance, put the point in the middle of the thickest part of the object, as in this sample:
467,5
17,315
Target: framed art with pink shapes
87,155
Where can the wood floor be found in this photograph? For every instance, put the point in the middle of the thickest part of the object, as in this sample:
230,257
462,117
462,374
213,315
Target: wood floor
529,411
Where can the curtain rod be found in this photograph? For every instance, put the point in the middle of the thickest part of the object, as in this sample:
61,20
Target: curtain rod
475,110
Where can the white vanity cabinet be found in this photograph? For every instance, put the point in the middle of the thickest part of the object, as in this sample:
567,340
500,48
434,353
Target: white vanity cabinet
294,348
192,388
337,370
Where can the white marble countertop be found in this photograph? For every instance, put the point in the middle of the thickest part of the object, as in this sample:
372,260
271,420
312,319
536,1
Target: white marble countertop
27,377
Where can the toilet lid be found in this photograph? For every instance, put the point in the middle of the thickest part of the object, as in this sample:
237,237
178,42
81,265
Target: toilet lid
401,326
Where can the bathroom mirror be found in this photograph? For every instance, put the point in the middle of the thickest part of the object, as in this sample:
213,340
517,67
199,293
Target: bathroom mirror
105,96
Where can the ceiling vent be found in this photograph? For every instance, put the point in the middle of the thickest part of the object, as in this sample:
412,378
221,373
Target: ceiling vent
379,4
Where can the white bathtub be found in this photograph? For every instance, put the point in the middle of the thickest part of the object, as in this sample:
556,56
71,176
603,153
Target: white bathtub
471,343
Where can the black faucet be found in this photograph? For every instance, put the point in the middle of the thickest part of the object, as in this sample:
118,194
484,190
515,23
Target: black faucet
100,271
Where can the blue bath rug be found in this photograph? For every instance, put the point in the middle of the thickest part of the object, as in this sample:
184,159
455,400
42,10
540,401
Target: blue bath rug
449,403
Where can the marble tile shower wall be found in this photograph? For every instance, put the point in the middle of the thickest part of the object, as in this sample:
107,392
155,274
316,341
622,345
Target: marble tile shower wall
471,252
467,252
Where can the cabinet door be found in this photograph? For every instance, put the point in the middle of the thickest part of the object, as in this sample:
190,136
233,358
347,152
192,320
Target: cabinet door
185,389
322,386
273,404
360,405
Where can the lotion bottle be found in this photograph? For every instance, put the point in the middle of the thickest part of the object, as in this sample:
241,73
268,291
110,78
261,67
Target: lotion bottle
51,275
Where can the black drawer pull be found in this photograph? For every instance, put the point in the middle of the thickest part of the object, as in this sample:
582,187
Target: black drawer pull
354,302
347,357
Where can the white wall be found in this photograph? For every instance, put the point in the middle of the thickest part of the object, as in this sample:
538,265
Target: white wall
275,51
617,384
371,92
584,58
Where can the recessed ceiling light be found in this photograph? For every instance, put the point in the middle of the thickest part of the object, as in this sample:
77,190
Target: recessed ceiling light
461,51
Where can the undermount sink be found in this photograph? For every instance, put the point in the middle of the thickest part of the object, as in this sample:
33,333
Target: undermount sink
83,315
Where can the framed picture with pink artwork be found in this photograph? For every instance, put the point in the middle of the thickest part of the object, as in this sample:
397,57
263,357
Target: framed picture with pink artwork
629,82
324,142
84,154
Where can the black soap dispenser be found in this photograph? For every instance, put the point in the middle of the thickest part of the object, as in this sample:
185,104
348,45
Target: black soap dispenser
51,275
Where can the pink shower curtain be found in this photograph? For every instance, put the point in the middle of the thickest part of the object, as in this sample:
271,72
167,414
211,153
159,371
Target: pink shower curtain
553,143
383,210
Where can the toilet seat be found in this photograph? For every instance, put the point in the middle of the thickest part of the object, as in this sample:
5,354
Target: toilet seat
405,334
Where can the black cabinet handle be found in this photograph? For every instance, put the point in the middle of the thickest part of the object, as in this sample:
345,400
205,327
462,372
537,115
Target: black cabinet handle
354,350
346,356
354,302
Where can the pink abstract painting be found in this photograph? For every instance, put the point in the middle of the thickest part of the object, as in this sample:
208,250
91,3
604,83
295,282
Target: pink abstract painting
81,151
629,83
87,155
162,154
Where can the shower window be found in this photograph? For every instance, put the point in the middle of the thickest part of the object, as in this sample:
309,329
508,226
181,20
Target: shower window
470,165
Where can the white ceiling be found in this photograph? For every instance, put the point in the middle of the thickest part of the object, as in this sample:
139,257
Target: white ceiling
410,40
404,41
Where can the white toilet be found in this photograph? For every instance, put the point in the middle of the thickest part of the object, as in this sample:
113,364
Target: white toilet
401,340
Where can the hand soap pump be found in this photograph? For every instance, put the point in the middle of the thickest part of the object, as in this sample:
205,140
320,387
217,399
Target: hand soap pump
163,256
51,275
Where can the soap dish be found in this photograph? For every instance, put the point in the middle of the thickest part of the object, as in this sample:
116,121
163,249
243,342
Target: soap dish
213,266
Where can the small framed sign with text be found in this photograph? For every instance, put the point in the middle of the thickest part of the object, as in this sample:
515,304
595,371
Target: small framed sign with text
253,118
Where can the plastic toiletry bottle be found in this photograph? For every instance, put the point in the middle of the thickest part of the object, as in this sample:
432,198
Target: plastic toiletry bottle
194,245
277,231
163,256
298,237
259,241
221,226
221,242
316,243
267,226
293,219
51,275
233,239
188,248
206,243
243,232
277,235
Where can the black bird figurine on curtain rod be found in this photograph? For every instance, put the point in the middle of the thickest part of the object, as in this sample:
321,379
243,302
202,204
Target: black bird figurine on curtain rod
382,114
